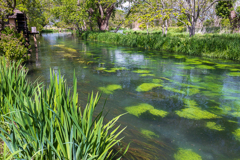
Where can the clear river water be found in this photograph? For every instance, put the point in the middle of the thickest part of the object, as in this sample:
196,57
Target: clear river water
179,107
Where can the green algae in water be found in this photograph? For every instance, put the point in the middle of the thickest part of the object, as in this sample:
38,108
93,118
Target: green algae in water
148,133
85,67
157,81
146,75
141,71
234,70
100,68
214,126
159,113
236,134
204,67
173,90
186,67
196,113
147,87
110,88
192,91
144,107
190,103
224,66
186,154
236,74
110,71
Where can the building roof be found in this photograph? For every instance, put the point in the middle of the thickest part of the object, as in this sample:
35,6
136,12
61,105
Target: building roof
15,12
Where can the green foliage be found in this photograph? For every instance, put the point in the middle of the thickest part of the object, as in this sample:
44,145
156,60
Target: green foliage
236,134
186,154
46,122
223,8
12,45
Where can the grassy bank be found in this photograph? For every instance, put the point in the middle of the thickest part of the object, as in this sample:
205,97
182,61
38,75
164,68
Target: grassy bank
46,122
224,46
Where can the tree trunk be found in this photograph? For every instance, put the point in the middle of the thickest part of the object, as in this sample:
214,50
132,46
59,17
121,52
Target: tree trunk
166,30
104,18
191,30
120,24
163,29
147,28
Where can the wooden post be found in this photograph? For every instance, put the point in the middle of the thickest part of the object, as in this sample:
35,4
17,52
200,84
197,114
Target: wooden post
35,40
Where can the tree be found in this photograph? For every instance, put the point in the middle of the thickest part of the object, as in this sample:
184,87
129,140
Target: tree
225,10
148,11
6,8
192,9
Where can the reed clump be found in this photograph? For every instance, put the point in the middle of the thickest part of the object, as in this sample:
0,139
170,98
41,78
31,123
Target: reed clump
46,122
224,46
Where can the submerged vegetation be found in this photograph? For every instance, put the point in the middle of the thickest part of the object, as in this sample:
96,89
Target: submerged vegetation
144,108
186,154
46,122
110,88
147,87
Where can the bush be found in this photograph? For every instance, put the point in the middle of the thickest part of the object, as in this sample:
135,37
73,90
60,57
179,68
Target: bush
12,45
46,122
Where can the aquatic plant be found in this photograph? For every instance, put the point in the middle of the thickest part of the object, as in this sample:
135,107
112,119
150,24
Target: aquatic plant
173,90
204,67
148,133
141,71
157,81
146,75
185,67
195,113
144,107
192,91
236,134
234,74
100,68
66,48
147,87
235,70
214,126
186,154
110,88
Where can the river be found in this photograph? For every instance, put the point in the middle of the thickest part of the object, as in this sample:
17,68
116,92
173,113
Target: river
178,106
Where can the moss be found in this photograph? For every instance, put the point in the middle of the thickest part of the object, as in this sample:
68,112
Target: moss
204,67
195,113
185,67
147,87
148,133
236,134
173,90
186,154
214,126
141,71
110,88
157,81
146,75
233,74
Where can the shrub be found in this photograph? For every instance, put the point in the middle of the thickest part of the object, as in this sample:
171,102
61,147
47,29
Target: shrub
12,45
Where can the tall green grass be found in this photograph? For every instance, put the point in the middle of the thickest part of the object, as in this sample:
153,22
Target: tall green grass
46,122
224,46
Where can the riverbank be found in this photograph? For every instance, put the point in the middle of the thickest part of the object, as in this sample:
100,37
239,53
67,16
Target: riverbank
225,46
